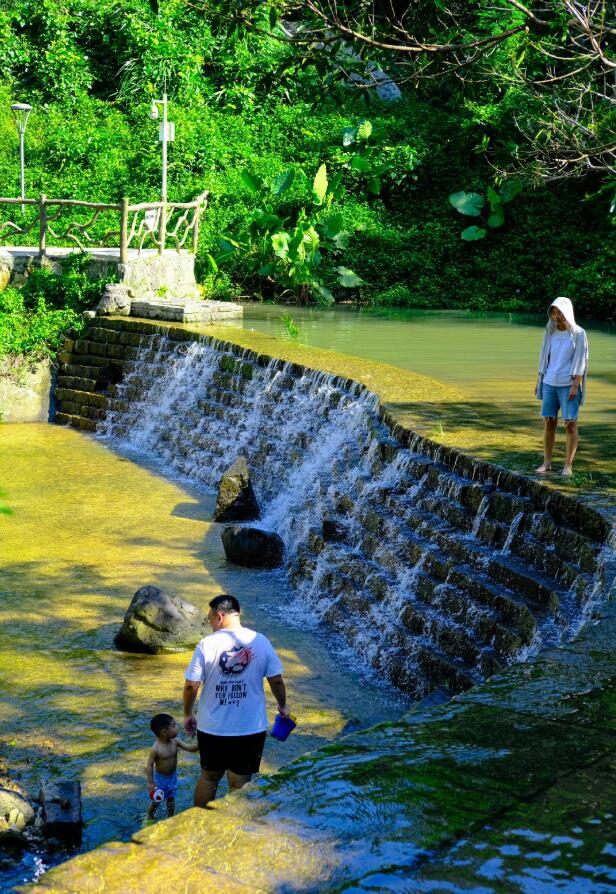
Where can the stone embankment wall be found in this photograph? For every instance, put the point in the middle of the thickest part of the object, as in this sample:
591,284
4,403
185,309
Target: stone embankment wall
469,566
25,390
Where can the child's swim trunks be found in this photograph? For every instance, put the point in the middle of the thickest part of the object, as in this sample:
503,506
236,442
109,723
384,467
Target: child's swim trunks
169,784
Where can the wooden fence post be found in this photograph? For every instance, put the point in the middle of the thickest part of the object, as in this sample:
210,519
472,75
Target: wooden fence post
124,231
195,232
43,226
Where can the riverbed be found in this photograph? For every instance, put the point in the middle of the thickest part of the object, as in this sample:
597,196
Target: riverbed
86,528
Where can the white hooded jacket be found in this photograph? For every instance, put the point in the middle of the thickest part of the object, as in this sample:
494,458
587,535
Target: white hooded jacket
579,363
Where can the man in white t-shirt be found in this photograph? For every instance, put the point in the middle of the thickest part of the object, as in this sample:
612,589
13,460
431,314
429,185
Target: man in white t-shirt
231,720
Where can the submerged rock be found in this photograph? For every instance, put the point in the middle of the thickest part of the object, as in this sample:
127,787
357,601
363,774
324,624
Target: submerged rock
335,531
252,547
156,622
16,813
61,804
236,497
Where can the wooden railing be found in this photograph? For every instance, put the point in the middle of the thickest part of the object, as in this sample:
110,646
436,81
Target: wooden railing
160,224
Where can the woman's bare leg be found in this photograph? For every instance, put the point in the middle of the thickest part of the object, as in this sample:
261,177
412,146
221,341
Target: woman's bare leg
572,438
549,436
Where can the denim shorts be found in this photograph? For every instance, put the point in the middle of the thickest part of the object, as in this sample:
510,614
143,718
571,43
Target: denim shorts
557,397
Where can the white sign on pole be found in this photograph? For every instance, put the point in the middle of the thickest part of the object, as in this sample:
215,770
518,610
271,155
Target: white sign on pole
170,132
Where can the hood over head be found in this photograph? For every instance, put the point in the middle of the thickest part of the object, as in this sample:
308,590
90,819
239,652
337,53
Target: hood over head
565,306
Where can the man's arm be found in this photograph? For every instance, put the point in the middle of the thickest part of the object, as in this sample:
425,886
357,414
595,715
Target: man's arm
279,691
189,695
187,746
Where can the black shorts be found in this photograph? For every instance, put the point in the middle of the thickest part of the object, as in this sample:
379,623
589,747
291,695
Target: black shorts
240,754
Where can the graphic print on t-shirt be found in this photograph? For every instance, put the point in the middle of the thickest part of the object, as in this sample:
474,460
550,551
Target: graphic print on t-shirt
235,661
232,663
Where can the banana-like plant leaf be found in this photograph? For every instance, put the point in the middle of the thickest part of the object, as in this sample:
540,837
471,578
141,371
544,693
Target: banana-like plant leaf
332,226
280,244
283,182
472,234
320,184
510,189
469,203
361,164
322,294
364,131
254,183
348,279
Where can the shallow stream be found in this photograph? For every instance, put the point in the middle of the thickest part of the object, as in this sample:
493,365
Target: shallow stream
88,527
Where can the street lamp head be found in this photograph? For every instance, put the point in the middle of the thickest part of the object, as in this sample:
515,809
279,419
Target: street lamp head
154,110
21,111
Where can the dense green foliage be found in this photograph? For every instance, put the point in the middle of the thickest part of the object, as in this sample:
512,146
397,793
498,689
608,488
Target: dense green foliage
34,317
91,69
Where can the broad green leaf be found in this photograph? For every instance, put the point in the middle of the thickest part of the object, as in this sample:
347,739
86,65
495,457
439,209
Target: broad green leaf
212,266
469,203
349,135
496,218
332,226
266,270
319,186
364,131
335,186
374,186
283,182
273,17
322,294
494,199
254,183
471,234
261,221
280,244
497,215
348,279
361,164
510,189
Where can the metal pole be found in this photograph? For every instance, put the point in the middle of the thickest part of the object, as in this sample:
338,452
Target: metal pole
164,185
22,169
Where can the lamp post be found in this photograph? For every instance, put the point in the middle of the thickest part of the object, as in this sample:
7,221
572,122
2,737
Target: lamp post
166,134
21,112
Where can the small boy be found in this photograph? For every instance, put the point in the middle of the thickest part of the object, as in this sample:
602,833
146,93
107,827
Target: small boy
163,760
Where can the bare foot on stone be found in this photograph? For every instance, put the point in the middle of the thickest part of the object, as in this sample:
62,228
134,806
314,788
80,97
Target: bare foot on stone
544,468
567,471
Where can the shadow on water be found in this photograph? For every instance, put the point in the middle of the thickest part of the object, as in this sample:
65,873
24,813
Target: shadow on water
88,529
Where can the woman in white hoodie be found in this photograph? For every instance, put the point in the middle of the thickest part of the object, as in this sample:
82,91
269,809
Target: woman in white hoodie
563,364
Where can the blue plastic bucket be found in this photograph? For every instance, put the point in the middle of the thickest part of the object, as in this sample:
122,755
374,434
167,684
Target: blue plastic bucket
282,727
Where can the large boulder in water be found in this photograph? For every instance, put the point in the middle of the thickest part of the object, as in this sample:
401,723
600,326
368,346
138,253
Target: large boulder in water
156,622
16,813
236,497
252,547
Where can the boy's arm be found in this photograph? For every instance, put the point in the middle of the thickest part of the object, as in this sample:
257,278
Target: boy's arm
187,746
149,767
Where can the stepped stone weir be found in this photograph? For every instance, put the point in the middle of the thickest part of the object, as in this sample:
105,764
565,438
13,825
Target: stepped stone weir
437,569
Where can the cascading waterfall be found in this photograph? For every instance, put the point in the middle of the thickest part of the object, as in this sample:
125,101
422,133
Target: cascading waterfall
432,578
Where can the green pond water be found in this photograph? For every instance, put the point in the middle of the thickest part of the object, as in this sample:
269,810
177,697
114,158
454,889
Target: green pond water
492,360
88,527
